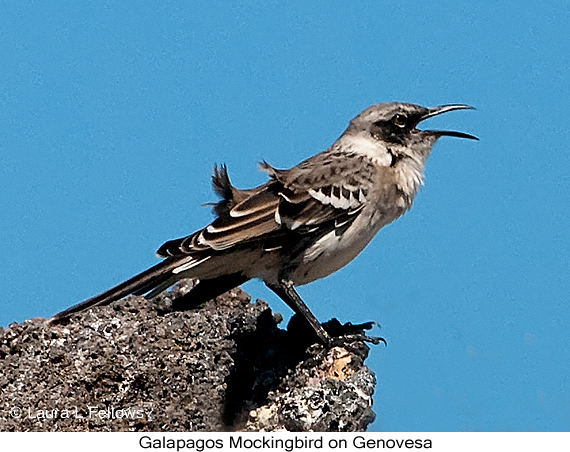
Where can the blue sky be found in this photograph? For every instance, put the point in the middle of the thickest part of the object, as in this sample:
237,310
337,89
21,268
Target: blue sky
112,116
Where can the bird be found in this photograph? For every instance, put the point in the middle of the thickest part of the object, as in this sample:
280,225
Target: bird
305,222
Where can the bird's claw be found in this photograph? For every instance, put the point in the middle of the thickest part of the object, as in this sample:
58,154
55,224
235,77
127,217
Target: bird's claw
361,337
348,333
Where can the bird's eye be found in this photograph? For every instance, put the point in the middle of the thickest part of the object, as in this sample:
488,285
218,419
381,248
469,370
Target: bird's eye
399,120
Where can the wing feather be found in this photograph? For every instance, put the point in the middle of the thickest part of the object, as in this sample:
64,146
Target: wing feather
322,193
329,186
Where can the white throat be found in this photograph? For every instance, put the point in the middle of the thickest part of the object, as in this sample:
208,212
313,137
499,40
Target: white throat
410,175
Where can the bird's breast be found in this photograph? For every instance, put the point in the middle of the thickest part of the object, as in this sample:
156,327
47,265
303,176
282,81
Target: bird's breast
336,249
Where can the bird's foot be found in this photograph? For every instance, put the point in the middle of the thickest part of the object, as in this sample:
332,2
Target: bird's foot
335,333
349,333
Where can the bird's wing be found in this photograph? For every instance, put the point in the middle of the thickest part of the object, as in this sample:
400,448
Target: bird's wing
247,220
300,200
328,186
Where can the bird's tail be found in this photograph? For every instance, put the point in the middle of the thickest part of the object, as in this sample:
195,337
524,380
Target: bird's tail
138,285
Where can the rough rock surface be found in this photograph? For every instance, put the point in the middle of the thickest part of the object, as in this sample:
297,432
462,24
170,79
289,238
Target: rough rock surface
223,367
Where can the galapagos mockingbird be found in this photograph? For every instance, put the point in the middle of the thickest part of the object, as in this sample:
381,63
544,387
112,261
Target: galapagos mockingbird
304,223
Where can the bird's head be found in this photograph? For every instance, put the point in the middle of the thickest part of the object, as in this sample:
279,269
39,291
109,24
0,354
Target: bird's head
394,125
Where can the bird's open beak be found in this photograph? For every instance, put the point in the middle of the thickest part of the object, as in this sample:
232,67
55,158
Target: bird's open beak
443,109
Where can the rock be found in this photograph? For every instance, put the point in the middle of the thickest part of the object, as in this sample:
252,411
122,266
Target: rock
223,367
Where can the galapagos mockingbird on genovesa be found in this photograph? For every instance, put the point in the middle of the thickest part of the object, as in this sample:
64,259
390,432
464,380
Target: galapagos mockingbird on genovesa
304,223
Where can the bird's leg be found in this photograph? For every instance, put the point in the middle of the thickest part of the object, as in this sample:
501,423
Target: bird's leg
289,295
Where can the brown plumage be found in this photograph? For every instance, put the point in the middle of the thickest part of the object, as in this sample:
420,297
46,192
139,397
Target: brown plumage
303,223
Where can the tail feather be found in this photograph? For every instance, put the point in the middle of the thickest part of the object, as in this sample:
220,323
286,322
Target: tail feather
139,284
